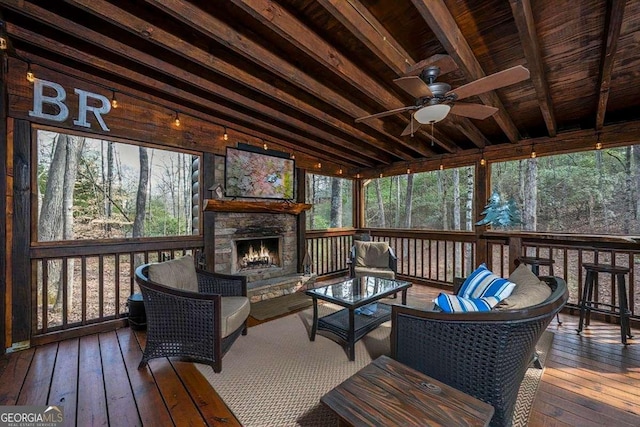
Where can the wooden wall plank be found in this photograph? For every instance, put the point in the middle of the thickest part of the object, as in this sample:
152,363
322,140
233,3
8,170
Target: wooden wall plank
21,268
64,384
3,190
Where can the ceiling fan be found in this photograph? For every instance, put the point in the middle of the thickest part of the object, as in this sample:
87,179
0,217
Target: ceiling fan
435,100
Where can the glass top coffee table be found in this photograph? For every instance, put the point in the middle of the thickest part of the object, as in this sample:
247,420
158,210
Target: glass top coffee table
361,313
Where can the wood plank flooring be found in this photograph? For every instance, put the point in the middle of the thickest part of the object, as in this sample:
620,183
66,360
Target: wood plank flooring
589,380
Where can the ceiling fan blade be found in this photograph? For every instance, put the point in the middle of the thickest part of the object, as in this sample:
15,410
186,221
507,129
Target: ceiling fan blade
386,113
414,86
474,111
444,62
494,81
408,130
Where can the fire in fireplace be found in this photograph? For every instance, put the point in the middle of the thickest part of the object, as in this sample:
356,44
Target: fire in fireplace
252,254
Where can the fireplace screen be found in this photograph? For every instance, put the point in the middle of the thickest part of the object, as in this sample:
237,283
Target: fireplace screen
258,253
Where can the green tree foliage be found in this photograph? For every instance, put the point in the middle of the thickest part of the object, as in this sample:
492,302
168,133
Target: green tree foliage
428,209
499,213
319,194
579,192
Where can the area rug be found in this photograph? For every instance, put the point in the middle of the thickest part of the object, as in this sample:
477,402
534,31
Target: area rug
279,306
275,376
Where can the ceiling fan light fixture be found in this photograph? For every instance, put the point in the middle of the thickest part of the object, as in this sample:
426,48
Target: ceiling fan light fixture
432,113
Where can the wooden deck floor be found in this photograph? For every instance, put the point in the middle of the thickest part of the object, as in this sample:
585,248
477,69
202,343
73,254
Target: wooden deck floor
589,380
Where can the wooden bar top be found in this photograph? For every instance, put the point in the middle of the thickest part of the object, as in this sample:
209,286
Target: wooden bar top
388,393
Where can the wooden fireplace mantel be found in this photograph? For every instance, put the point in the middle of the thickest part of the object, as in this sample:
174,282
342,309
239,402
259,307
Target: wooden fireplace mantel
279,206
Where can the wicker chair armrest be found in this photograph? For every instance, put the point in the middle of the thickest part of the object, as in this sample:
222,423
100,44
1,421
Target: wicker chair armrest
223,284
393,261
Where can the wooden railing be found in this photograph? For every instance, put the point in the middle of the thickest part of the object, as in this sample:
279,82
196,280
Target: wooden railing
329,251
79,283
435,258
569,253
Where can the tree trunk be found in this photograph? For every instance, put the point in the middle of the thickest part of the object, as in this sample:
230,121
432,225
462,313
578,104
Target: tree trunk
109,185
312,192
456,215
336,203
142,194
601,190
442,189
50,218
628,193
469,210
408,202
72,158
383,222
530,205
635,150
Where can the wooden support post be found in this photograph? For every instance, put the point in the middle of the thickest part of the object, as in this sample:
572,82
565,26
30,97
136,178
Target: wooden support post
482,195
21,235
301,220
515,250
207,220
4,100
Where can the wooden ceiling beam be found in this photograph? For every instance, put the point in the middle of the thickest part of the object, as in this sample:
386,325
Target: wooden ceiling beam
469,130
614,16
227,36
362,24
294,141
283,23
168,41
439,19
178,73
523,16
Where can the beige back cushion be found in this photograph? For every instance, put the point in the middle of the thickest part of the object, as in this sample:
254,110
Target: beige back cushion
372,254
178,273
529,290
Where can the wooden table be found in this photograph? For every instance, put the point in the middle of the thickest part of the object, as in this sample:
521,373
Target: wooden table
388,393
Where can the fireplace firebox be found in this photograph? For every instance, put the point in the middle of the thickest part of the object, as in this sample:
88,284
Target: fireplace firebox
257,253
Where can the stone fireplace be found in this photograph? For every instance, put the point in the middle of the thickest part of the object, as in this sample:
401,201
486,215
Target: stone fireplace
256,254
262,247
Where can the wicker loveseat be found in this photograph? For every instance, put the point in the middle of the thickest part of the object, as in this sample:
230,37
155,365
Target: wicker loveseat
192,314
484,354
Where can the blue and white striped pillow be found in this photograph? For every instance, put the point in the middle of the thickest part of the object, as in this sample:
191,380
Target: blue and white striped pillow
483,283
456,304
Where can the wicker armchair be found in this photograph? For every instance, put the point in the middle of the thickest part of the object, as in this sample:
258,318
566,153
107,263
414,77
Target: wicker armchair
194,325
484,354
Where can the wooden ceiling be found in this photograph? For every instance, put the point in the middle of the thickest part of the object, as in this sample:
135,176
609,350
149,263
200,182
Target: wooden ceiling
297,73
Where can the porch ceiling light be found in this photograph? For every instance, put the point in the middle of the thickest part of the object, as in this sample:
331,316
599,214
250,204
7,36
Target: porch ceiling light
432,113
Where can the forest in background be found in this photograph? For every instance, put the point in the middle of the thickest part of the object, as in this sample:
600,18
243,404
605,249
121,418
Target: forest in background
592,192
99,189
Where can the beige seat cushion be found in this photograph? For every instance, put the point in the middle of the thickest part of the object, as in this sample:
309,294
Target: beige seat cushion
372,254
177,273
235,311
384,273
529,290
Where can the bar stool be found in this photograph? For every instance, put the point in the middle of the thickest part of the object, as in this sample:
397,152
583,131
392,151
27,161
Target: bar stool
587,303
535,263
